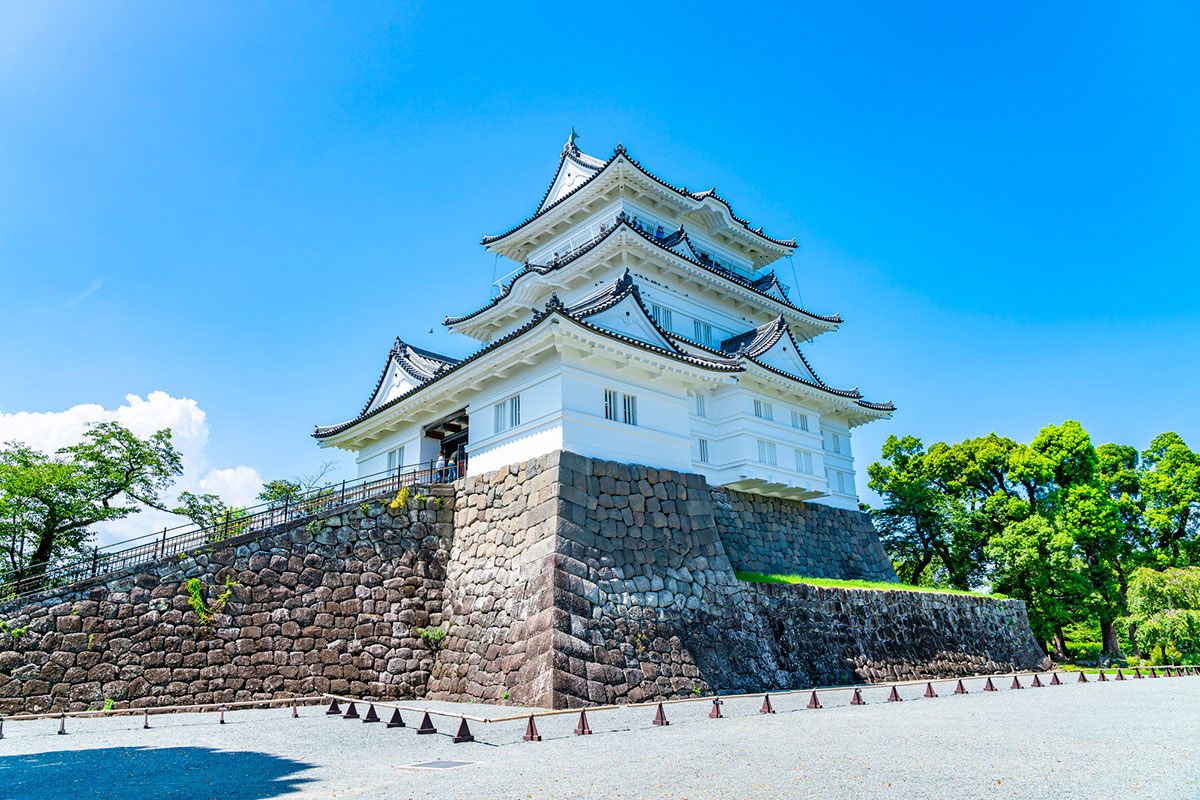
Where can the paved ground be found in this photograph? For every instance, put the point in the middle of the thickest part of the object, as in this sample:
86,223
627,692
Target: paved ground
1134,739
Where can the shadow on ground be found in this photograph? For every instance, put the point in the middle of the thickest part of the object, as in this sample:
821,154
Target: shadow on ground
170,773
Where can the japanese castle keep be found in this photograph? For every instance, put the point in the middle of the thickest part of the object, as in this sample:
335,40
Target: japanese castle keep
646,325
639,425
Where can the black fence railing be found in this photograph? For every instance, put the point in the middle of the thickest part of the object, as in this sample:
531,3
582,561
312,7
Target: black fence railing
256,519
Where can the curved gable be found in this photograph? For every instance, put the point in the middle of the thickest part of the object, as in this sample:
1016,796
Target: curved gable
785,357
396,381
628,318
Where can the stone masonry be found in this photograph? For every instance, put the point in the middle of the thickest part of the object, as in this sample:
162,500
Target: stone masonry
559,582
771,536
329,605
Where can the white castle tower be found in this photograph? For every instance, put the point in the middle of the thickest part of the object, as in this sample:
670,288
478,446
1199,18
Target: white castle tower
644,324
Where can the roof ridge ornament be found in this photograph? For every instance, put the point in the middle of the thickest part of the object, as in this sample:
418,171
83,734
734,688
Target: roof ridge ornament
570,146
625,281
554,304
619,150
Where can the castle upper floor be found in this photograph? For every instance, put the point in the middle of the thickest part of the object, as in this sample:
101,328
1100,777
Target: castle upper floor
587,192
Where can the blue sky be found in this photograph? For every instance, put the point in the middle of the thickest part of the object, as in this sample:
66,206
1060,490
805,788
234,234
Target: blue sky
243,203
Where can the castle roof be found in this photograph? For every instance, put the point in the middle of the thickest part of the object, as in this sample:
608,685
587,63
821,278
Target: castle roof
595,168
733,357
753,345
419,364
677,244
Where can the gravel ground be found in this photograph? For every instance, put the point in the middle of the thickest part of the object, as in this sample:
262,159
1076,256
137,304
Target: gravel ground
1133,739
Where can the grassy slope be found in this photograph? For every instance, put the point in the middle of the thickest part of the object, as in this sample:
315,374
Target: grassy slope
755,577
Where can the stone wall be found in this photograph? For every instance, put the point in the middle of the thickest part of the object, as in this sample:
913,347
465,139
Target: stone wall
772,536
329,605
560,582
498,590
651,606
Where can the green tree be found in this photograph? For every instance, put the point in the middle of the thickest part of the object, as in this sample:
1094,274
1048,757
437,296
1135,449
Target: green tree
1170,486
281,492
912,524
1032,560
1166,607
1092,518
49,503
287,491
1069,452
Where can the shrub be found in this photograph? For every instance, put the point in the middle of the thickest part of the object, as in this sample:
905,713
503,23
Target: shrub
401,500
433,636
204,613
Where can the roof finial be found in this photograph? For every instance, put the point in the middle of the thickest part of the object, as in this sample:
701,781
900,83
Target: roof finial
571,139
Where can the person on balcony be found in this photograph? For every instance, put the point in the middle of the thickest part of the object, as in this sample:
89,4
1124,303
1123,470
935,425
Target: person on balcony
439,469
658,233
452,468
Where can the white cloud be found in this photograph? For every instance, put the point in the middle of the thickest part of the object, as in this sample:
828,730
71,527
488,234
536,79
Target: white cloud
239,486
48,431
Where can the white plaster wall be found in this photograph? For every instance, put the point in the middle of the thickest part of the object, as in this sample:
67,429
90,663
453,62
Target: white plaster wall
372,459
839,462
733,431
661,436
540,430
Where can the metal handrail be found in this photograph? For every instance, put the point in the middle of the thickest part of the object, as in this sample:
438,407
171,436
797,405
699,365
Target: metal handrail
259,518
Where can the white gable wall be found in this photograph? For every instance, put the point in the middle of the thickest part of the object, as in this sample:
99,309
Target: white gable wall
395,383
628,319
783,356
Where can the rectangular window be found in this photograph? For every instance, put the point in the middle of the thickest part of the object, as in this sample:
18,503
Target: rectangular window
835,443
703,451
395,459
662,316
620,407
610,405
764,410
766,452
701,406
799,420
703,332
804,462
841,482
508,413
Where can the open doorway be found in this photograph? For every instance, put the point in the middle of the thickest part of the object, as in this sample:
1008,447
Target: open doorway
449,439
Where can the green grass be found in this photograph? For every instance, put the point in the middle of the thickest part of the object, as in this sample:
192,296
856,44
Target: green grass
757,577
